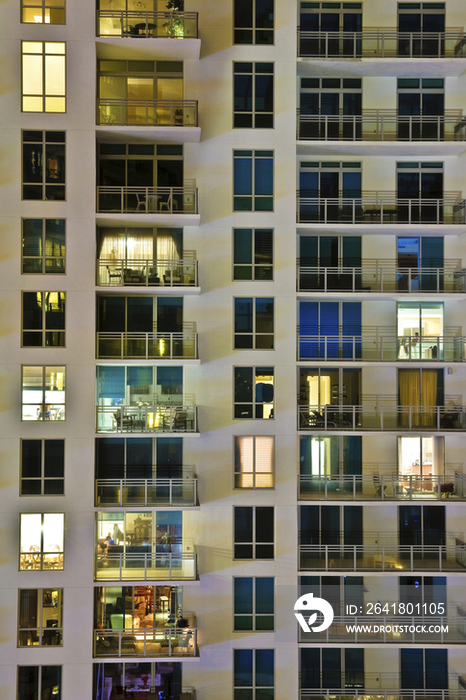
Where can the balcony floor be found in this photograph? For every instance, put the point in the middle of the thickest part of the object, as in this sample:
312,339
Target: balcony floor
390,67
314,147
148,49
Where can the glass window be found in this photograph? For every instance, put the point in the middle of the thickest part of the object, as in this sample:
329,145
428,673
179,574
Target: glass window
254,392
43,319
254,532
136,607
41,541
44,165
136,679
253,95
43,392
253,20
40,617
43,249
253,180
43,11
44,76
39,682
252,254
253,672
254,327
254,462
42,468
421,457
253,604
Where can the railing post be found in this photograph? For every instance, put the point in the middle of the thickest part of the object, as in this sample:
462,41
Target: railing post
410,487
326,488
170,491
354,487
411,547
146,493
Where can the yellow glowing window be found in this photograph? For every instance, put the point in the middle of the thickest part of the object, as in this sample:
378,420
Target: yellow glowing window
43,393
43,11
254,462
41,541
44,76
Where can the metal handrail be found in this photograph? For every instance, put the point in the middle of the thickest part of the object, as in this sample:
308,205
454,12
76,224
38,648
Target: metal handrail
172,25
157,491
381,348
157,418
120,112
143,642
145,272
382,693
147,200
146,566
147,345
381,418
382,278
381,43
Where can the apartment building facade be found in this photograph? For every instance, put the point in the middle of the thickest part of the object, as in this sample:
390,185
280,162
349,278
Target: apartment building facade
233,348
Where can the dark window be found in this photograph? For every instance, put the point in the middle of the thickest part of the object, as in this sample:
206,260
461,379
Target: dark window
254,392
39,682
253,180
40,617
44,165
253,532
253,21
253,604
254,325
252,254
253,672
43,247
253,95
42,467
43,319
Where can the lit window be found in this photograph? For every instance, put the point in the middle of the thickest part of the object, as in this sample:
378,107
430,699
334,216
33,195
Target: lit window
254,392
254,462
43,11
43,319
253,323
253,180
39,682
253,604
253,674
253,20
41,541
253,95
43,64
44,165
43,246
42,467
252,254
43,396
254,532
40,617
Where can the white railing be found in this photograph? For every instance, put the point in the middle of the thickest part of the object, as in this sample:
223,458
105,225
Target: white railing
381,692
116,112
146,566
137,642
149,25
381,278
112,272
147,419
147,200
147,346
381,418
146,492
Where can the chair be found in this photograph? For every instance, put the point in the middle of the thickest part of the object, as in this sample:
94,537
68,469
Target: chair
378,484
142,202
113,273
123,420
180,421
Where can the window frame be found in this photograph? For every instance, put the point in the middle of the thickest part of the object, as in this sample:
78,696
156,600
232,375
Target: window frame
44,78
254,404
39,680
42,478
41,8
40,629
36,556
256,268
255,335
44,331
253,155
254,474
43,403
254,113
254,29
254,543
44,257
255,654
254,598
43,184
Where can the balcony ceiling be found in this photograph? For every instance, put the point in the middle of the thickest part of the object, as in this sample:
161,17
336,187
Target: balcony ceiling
308,147
389,67
150,134
147,49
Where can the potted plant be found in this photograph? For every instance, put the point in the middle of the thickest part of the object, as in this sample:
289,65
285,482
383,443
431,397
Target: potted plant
447,489
175,27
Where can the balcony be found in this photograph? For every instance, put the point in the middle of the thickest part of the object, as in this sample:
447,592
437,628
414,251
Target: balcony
155,418
146,643
382,125
383,557
382,43
147,492
147,25
380,692
382,348
149,201
382,276
406,629
166,275
119,565
380,418
137,345
382,487
380,208
151,113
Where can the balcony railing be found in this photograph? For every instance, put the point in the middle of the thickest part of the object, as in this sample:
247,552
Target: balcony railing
381,278
147,346
151,25
381,693
112,272
406,629
146,419
145,642
147,566
382,487
147,200
379,557
380,348
146,492
379,209
381,126
382,418
382,43
114,112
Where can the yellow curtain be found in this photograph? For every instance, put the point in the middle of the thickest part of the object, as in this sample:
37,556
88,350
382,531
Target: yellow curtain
429,394
113,247
409,383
